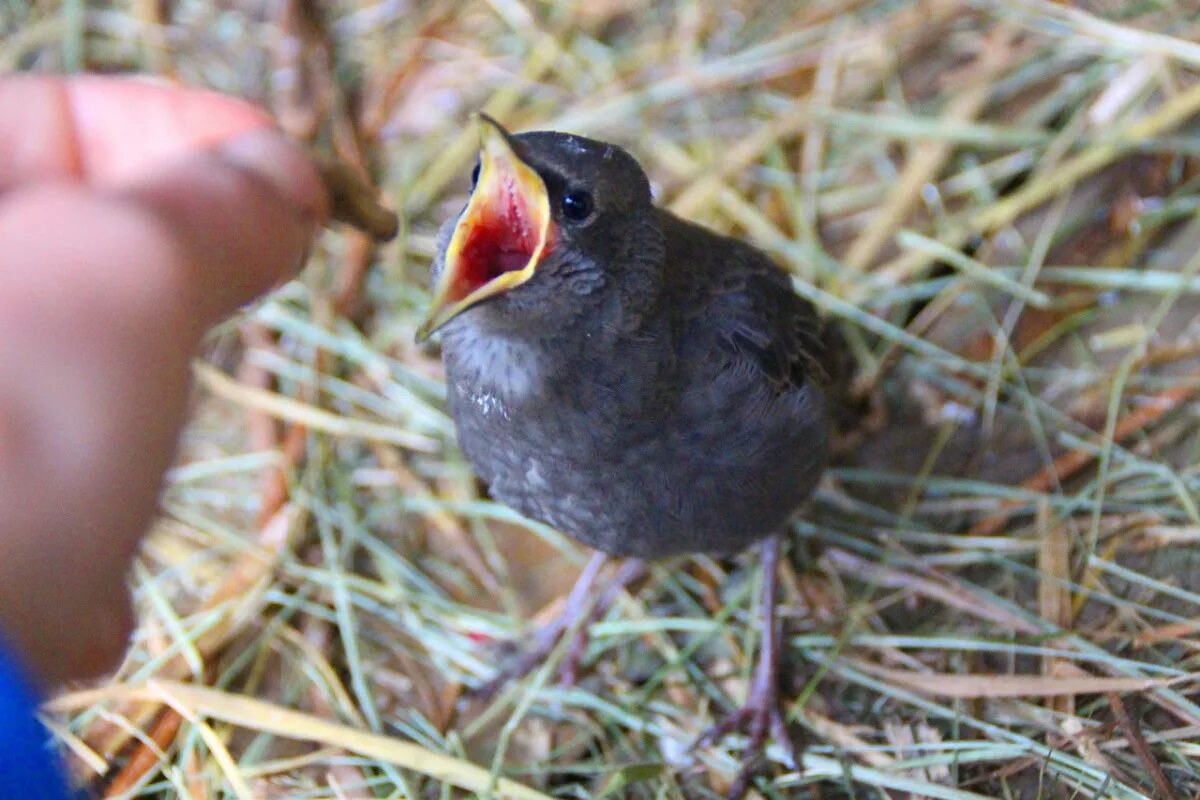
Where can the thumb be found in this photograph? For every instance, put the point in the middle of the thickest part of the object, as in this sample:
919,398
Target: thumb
242,213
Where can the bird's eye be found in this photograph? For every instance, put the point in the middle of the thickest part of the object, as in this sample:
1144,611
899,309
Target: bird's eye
577,206
475,175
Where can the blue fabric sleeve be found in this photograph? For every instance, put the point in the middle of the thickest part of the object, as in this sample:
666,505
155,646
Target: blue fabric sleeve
30,768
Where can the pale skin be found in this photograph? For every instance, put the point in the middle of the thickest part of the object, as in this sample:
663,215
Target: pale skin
132,218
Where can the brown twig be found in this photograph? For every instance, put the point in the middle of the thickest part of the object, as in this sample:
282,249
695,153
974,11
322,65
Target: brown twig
1141,749
145,758
354,201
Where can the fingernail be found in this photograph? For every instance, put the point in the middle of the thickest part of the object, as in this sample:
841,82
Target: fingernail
283,165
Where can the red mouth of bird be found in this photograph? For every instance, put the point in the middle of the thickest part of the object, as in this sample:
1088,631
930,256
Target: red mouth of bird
500,236
500,240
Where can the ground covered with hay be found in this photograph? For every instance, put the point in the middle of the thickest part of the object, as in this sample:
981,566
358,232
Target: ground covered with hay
995,593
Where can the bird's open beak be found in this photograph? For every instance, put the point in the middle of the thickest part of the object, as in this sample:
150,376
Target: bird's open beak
501,235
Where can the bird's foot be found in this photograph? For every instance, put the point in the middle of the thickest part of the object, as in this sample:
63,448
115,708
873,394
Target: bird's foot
577,615
544,642
761,714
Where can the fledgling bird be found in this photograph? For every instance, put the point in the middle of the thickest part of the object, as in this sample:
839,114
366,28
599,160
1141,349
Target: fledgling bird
644,384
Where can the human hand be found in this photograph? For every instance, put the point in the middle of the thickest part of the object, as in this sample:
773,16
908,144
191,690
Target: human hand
132,217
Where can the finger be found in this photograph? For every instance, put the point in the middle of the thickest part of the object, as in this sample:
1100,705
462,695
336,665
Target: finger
93,387
96,331
37,137
104,293
241,200
243,214
109,130
126,128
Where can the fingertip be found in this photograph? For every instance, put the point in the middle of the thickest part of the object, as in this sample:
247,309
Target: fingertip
166,121
240,199
244,215
284,167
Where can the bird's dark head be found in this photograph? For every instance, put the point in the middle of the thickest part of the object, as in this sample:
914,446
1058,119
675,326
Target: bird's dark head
556,224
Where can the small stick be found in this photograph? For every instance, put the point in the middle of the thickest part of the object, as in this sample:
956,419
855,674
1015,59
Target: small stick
146,758
354,201
1142,750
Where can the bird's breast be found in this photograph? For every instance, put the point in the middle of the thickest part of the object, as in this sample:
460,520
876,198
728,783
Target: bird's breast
488,404
493,373
608,448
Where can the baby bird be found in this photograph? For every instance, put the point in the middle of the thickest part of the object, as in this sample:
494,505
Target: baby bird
645,385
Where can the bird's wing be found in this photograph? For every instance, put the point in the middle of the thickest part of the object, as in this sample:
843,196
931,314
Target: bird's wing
780,331
745,305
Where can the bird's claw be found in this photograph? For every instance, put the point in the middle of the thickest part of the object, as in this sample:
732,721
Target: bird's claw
761,714
545,642
576,615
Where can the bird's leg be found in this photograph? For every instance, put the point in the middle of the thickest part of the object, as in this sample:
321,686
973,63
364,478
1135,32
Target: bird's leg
632,570
576,612
762,710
